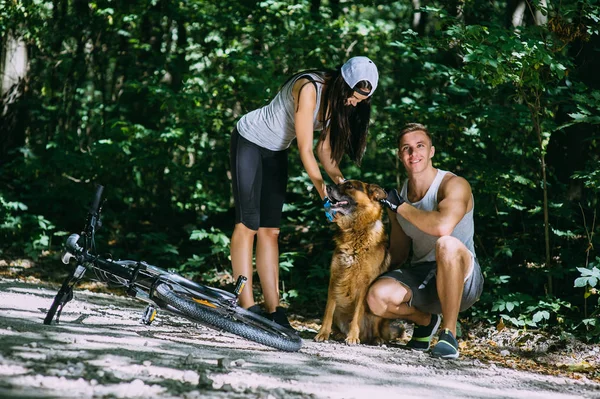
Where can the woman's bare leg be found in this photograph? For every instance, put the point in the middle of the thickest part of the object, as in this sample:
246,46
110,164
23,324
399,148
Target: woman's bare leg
267,265
242,244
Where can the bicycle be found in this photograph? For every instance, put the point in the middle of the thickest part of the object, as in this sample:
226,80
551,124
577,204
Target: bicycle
164,289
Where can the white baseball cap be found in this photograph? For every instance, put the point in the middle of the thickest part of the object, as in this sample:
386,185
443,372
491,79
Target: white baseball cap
360,68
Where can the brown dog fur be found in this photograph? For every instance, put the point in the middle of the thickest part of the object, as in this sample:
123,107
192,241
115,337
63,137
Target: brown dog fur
360,256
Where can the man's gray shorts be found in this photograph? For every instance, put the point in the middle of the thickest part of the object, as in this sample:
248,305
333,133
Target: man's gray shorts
421,279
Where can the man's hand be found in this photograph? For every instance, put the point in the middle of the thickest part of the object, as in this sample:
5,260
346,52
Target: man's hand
328,212
393,200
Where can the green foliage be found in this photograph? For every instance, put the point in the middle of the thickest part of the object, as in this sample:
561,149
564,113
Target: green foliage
27,233
214,254
525,311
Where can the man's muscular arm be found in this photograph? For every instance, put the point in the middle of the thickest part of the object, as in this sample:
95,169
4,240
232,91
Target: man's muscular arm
454,195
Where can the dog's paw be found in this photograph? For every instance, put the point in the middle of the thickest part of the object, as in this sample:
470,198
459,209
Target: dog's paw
352,340
322,336
379,341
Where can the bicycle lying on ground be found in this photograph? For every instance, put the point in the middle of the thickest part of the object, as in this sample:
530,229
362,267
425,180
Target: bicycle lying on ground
162,289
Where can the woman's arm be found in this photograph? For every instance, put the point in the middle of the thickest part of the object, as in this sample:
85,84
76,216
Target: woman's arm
305,106
324,154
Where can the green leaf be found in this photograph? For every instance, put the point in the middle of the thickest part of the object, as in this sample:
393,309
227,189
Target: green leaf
541,315
581,282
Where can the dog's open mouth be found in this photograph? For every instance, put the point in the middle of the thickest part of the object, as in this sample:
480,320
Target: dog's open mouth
340,202
337,204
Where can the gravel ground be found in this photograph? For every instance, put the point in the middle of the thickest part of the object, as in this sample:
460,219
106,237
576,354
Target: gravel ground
101,350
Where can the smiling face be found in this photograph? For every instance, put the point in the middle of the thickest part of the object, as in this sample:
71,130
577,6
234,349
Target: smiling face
415,150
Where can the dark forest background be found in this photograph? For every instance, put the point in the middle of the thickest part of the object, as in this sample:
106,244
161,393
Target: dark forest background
141,96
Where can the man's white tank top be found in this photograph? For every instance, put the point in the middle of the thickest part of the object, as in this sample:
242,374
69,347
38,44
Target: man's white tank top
423,244
272,126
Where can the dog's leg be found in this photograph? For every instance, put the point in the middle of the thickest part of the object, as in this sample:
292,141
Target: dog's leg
359,312
380,336
325,329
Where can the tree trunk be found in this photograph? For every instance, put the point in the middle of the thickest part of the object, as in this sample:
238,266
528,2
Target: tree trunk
419,22
315,6
14,64
536,109
13,71
523,12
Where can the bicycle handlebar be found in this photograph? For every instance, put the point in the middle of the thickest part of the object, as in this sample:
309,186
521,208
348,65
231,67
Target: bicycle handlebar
97,197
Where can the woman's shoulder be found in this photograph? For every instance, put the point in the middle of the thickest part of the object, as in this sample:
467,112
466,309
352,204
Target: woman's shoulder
306,86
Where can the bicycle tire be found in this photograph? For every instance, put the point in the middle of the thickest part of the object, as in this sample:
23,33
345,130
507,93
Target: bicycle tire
235,320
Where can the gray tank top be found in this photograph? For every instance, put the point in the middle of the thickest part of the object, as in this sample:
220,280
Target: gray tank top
423,244
272,126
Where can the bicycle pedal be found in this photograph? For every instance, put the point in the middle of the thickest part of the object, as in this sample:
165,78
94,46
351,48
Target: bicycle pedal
149,315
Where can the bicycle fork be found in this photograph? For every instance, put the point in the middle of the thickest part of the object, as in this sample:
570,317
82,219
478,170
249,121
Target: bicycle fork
65,294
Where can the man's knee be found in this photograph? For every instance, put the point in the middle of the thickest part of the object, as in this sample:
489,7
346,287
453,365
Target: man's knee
448,245
451,252
384,293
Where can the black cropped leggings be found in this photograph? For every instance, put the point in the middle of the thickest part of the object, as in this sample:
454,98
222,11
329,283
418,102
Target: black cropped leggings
259,178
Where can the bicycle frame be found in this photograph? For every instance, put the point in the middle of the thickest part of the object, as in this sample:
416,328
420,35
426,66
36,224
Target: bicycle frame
138,277
164,289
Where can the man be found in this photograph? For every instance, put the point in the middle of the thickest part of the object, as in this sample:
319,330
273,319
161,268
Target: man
434,213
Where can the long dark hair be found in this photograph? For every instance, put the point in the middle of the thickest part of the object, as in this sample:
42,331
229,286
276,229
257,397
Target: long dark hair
348,126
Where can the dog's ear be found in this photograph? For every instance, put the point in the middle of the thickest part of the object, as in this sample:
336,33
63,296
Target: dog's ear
377,193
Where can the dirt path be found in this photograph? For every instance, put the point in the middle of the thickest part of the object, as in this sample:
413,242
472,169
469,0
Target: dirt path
100,350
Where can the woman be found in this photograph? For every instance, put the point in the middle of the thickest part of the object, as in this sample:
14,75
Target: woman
335,102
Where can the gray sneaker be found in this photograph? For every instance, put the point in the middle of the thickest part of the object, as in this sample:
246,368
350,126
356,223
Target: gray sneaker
447,346
421,338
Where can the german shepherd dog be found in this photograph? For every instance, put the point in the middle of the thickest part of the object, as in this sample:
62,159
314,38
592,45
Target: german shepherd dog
360,256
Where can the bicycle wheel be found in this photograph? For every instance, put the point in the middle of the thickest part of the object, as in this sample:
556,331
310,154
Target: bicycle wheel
213,312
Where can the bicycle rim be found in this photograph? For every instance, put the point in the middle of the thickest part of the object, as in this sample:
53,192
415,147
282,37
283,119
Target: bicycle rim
234,319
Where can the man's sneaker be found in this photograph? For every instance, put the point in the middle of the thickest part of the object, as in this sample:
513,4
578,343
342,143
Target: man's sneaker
422,335
447,346
279,316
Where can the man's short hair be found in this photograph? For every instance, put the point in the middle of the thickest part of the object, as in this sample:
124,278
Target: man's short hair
413,127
